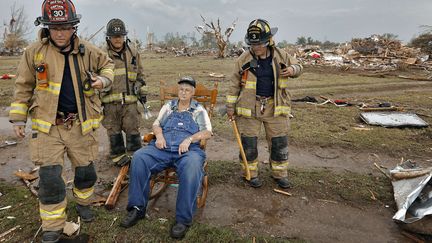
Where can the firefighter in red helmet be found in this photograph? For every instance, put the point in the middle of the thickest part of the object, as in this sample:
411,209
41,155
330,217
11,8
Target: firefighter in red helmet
59,78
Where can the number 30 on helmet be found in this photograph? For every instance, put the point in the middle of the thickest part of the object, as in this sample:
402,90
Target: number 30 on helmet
58,12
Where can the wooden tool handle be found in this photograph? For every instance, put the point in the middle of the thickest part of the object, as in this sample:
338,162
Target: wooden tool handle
116,189
242,153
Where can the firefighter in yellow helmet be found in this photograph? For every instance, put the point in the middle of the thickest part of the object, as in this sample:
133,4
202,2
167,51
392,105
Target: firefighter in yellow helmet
58,81
128,88
259,95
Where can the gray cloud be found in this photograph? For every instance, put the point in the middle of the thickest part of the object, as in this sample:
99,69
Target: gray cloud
334,20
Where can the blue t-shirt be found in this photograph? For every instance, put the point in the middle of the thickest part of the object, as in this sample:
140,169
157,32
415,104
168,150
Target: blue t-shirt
265,77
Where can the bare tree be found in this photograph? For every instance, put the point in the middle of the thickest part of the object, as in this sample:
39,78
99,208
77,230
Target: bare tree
15,30
221,38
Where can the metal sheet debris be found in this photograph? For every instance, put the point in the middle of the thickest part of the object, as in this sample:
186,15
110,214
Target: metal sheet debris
413,195
393,119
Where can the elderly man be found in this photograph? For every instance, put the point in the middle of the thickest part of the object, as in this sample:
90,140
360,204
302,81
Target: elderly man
58,81
180,126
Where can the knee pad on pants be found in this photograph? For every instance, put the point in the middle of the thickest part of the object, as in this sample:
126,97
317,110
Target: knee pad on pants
133,142
250,147
279,148
85,176
52,189
117,144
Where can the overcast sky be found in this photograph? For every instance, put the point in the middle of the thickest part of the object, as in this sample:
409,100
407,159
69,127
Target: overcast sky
333,20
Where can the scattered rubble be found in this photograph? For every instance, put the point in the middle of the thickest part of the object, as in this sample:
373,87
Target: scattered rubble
372,53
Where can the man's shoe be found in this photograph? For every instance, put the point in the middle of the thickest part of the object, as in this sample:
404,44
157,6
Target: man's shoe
51,236
178,230
132,217
283,182
255,182
85,213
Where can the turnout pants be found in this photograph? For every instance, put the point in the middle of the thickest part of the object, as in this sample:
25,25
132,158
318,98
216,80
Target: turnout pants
122,117
276,130
48,150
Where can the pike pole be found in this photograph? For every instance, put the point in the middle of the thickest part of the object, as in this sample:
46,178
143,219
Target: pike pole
242,153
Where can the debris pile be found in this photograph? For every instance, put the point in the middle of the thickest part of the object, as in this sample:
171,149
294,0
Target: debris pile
372,53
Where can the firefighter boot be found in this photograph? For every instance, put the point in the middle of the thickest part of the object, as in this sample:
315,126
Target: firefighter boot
51,236
117,154
283,182
133,142
255,182
85,213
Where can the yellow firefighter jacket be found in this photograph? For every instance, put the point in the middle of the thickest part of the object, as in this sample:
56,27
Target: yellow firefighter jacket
243,97
128,76
38,95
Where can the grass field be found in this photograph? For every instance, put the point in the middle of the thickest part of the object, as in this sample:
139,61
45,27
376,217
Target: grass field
325,126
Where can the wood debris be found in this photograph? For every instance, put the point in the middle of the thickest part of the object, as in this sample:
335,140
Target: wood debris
2,236
25,176
377,52
282,192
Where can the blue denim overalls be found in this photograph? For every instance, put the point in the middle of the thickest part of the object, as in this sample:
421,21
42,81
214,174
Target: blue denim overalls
189,166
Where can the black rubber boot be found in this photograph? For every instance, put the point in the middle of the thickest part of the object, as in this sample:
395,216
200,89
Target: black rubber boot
283,182
133,216
255,182
178,230
117,145
133,142
51,236
85,213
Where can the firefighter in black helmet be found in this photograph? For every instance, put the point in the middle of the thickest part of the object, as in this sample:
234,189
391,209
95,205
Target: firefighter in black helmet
129,87
259,95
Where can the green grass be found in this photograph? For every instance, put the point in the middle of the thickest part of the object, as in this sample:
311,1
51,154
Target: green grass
349,187
25,210
311,126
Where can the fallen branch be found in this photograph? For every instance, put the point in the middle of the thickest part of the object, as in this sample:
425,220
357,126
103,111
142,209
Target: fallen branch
382,171
4,208
415,78
328,201
282,192
30,187
8,232
36,234
373,195
406,174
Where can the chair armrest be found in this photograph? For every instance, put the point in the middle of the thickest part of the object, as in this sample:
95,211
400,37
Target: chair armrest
203,144
148,137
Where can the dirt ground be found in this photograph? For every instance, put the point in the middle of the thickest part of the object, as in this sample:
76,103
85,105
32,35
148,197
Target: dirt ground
261,211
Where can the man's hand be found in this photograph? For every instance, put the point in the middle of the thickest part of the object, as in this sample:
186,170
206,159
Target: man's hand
230,113
160,142
19,130
96,83
184,146
287,72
